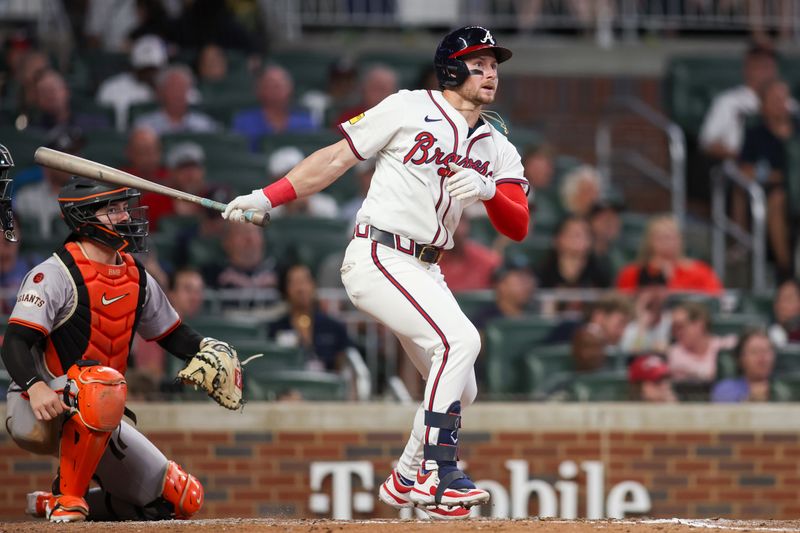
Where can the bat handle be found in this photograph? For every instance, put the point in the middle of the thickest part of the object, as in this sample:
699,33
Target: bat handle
257,218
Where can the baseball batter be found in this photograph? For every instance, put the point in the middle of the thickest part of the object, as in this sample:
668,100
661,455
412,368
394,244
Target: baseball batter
435,154
66,349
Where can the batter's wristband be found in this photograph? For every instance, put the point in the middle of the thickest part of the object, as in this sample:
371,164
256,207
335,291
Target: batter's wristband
280,192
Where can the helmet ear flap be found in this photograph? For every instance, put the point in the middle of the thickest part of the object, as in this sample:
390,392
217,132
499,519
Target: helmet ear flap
454,73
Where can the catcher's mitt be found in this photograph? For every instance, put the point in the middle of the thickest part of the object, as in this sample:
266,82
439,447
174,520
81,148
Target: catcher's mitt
216,369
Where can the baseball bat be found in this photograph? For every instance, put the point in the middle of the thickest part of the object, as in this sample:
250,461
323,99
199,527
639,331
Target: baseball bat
100,172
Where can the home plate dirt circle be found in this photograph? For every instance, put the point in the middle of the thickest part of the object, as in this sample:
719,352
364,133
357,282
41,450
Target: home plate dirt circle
249,525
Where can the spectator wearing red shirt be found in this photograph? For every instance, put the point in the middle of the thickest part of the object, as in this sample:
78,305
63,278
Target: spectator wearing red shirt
662,252
143,152
469,265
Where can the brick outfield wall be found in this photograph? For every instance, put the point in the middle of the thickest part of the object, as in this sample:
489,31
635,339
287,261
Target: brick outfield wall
261,472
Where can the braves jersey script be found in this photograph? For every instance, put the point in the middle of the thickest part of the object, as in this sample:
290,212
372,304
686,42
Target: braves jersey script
46,299
414,135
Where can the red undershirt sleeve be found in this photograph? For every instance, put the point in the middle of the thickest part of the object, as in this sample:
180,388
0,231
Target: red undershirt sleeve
508,211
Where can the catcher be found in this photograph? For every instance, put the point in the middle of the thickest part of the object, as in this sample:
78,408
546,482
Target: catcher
66,349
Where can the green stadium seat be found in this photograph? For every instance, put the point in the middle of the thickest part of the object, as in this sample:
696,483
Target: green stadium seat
242,171
238,84
532,251
735,323
473,302
275,357
312,385
793,179
691,83
407,66
344,188
548,212
89,106
308,240
712,303
760,304
227,329
206,253
786,387
223,108
307,142
604,386
211,142
261,369
543,363
22,144
522,137
506,342
172,225
727,366
102,64
309,68
137,110
787,359
781,391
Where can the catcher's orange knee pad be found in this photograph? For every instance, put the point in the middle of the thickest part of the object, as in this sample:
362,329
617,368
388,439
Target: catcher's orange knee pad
182,490
98,395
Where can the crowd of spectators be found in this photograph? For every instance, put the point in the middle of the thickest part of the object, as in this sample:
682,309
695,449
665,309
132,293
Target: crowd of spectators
579,243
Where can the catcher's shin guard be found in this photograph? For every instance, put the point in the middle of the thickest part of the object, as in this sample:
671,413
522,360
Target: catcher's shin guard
97,394
182,490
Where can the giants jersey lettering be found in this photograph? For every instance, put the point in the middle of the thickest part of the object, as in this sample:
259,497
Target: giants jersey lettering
48,299
414,135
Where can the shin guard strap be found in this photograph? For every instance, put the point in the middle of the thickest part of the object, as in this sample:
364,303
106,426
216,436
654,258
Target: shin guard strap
442,420
440,452
445,482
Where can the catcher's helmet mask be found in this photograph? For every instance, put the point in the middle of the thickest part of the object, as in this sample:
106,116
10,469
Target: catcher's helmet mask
452,71
82,198
6,189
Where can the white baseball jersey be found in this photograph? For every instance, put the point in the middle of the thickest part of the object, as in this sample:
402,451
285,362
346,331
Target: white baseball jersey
414,136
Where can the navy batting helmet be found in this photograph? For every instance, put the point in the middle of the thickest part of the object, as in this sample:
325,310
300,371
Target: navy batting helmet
452,71
81,198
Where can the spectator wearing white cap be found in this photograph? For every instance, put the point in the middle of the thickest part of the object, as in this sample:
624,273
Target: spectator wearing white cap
136,86
175,85
319,205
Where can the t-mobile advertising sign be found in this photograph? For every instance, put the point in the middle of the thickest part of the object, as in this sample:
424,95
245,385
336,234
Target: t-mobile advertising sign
352,489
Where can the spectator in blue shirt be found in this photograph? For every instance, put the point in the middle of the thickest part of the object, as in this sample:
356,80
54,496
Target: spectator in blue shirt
755,357
322,338
274,90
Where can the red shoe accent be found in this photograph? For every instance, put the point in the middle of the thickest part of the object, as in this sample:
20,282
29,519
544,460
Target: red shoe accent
37,503
443,513
393,493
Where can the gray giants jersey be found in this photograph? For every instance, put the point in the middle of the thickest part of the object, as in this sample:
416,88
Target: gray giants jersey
46,299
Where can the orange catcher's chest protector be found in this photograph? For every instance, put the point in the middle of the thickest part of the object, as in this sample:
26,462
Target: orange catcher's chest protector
108,304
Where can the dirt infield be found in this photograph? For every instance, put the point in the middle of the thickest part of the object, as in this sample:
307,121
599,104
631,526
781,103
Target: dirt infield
411,526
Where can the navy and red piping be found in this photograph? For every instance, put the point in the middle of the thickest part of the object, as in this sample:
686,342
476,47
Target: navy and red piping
440,222
427,318
350,142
